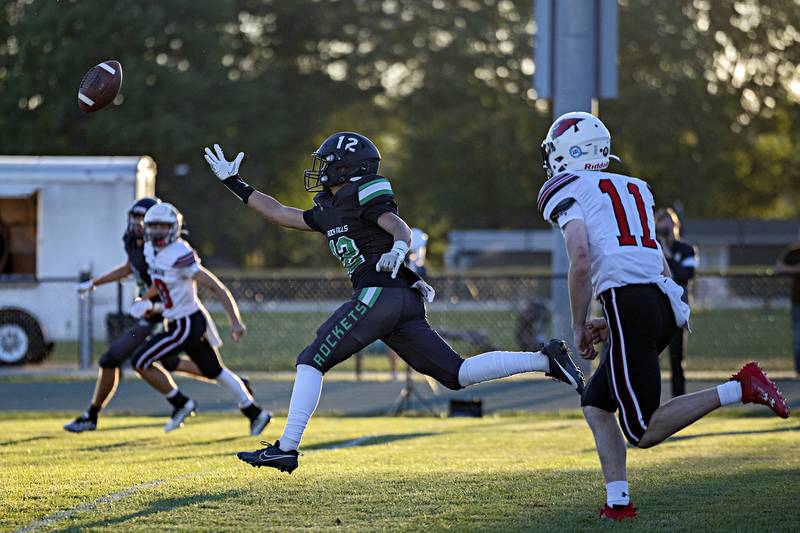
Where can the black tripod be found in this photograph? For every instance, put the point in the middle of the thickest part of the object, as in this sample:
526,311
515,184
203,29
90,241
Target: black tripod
404,399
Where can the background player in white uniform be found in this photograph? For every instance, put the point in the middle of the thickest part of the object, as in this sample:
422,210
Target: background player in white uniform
174,268
607,221
124,346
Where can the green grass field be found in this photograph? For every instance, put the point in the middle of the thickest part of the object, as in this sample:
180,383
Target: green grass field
721,339
729,472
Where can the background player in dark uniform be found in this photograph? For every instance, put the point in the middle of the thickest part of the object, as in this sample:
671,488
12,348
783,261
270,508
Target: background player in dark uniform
682,260
355,209
124,345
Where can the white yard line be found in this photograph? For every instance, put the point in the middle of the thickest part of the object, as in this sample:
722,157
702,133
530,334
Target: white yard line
91,506
110,498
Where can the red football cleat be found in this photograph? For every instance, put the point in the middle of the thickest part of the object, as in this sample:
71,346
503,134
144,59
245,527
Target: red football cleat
757,388
620,513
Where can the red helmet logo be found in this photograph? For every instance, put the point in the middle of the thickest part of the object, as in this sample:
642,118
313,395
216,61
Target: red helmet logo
563,126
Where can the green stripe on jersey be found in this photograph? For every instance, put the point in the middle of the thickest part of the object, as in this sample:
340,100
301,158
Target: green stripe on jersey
369,295
374,189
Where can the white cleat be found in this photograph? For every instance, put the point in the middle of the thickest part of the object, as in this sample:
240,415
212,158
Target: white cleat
260,422
179,415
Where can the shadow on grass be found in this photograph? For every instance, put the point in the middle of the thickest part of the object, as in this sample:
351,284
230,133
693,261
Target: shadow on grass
115,445
216,441
732,433
158,506
11,442
364,441
132,426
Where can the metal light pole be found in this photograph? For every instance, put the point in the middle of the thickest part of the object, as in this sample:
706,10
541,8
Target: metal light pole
575,58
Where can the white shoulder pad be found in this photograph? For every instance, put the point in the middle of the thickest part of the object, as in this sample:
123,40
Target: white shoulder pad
184,255
555,190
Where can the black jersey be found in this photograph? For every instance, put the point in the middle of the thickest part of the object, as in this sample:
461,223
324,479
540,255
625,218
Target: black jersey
134,248
349,221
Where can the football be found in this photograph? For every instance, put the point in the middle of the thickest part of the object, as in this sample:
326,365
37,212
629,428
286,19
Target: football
100,86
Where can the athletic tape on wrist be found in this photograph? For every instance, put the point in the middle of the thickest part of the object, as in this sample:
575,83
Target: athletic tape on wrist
238,187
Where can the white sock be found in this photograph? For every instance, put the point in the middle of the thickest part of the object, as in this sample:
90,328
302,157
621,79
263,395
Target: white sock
172,393
234,383
493,365
617,493
305,397
730,392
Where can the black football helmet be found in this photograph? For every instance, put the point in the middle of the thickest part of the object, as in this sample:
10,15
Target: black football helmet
340,157
136,215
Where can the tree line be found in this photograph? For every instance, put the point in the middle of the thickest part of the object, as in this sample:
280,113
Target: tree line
707,111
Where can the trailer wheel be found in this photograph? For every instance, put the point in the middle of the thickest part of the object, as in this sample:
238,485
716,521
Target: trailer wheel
21,338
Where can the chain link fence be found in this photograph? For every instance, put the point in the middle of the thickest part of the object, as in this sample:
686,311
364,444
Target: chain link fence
734,318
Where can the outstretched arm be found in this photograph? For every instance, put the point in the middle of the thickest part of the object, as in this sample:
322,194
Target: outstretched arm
270,208
121,272
206,278
277,213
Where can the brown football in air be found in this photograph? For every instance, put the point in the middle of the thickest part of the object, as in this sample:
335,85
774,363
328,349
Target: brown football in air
100,86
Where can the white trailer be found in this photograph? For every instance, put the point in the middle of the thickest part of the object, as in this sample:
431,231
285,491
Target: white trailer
61,216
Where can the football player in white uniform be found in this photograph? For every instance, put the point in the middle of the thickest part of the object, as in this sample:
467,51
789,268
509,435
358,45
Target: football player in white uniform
125,345
175,270
607,222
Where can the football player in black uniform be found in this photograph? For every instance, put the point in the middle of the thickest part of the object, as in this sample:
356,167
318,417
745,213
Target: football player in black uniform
126,344
355,210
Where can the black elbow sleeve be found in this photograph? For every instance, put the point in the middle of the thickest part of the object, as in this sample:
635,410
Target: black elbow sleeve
238,187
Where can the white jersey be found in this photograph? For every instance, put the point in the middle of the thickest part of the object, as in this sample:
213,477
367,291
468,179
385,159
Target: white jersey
172,270
618,213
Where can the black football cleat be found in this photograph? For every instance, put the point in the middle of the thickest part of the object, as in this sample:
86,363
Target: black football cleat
81,424
271,456
562,367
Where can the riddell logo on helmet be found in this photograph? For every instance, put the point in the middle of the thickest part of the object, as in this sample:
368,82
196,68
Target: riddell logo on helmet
596,166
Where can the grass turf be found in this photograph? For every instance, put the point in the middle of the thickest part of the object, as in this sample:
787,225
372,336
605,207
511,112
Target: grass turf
728,472
721,340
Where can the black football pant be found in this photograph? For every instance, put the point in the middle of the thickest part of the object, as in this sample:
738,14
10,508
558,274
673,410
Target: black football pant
186,334
124,346
640,325
676,347
397,317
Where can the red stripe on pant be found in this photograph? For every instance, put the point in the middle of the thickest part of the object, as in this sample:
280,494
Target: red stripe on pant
165,345
632,423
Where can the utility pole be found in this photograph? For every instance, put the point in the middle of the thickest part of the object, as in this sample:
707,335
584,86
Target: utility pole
576,63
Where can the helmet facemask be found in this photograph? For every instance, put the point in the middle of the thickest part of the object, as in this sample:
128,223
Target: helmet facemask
136,224
316,178
161,234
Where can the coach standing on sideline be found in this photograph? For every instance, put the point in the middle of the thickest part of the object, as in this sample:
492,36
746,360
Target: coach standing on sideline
789,263
682,260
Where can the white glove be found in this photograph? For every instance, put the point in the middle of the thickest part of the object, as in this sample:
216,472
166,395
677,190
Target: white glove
85,286
140,307
428,292
220,166
393,259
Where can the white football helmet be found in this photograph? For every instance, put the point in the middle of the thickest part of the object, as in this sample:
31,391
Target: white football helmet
162,214
576,141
